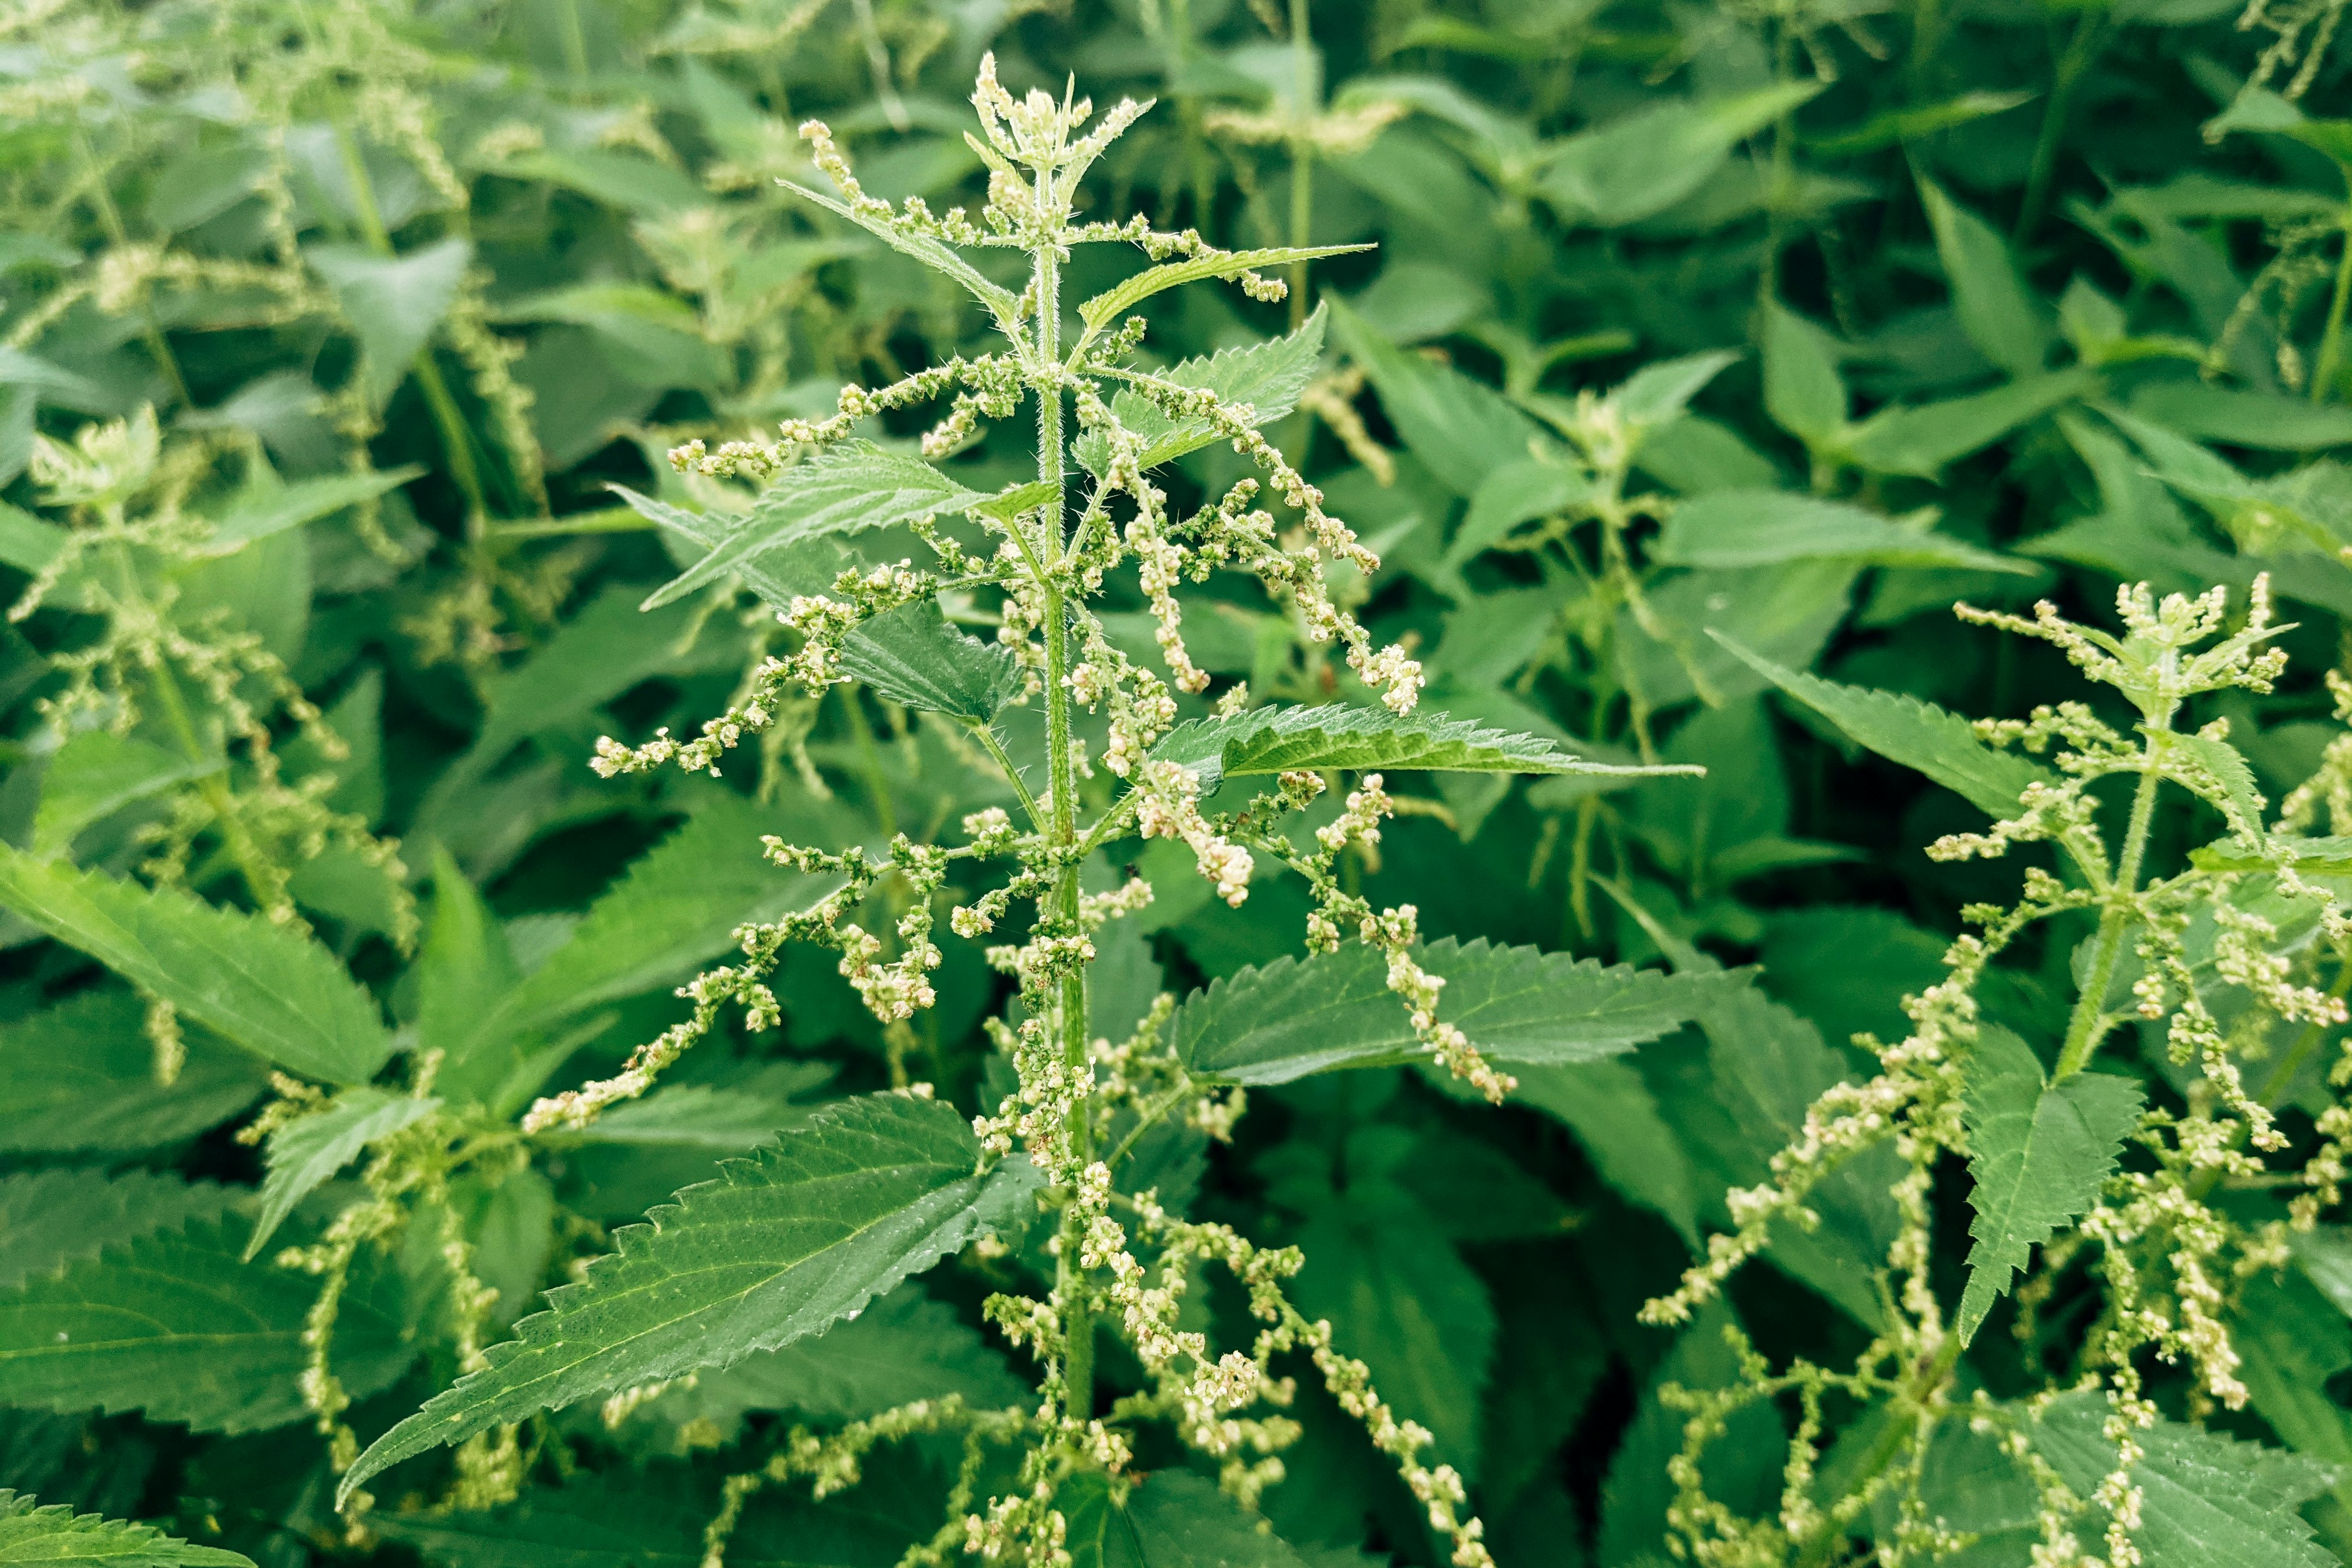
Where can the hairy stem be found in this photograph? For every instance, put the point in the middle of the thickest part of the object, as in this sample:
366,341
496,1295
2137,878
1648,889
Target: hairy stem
1070,1293
2331,340
2088,1023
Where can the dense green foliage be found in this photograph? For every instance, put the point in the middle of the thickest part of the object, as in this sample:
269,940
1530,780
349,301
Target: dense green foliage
1474,606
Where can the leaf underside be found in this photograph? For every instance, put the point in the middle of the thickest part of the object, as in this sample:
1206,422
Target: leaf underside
911,655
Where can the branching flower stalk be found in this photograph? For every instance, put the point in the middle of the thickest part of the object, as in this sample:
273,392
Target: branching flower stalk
2214,960
1046,566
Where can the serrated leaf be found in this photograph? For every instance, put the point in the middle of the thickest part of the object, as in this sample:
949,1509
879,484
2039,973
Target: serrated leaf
1172,1518
1462,429
466,970
2206,1500
304,1152
848,487
1296,1016
1923,439
1760,528
1919,735
31,1534
258,513
782,1244
393,303
1402,1301
50,1218
174,1325
259,986
902,1348
96,773
911,655
1616,1117
2037,1153
2240,802
81,1076
1132,291
1657,393
1995,307
676,905
1514,493
1277,739
1639,165
1803,393
931,253
1268,376
654,1517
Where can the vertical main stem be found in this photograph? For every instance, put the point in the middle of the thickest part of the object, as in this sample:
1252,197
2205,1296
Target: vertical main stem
2331,339
1304,100
2084,1028
1070,1287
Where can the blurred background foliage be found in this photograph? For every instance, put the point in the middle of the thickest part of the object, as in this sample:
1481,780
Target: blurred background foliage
1795,320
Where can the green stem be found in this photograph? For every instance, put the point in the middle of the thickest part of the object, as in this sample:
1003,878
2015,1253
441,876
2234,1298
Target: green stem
110,218
211,784
2080,52
1822,1546
456,443
876,782
995,748
1302,151
2331,340
1146,1120
1062,827
2090,1018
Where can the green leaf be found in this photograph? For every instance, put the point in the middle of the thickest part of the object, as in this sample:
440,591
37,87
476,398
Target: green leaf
649,337
1995,307
931,252
393,303
1172,1518
1463,429
1517,492
1639,165
1616,1117
467,970
1658,393
259,513
2263,420
96,773
2037,1153
2207,1500
50,1218
1919,735
1278,739
911,655
1923,439
58,1536
2292,1341
1759,528
1268,376
304,1152
1402,1300
846,488
1802,390
1296,1017
81,1077
654,1516
27,542
174,1325
678,905
1099,311
782,1244
902,1348
259,985
2224,774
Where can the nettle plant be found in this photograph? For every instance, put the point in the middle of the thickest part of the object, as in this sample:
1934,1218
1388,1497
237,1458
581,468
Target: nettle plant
2163,1213
1050,1189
